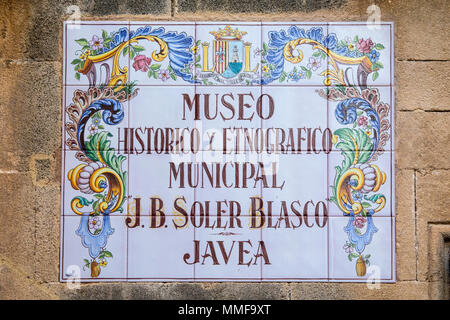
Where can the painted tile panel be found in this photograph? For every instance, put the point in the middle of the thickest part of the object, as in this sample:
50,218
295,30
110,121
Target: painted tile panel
366,50
91,114
228,151
294,54
162,53
362,249
362,188
94,53
361,118
230,53
102,252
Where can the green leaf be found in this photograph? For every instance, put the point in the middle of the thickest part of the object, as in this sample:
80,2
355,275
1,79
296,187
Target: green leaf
107,254
366,205
76,61
355,39
77,76
150,73
316,54
173,76
125,51
95,205
82,42
138,48
308,74
104,35
265,46
101,127
98,196
132,54
375,76
197,59
155,67
379,46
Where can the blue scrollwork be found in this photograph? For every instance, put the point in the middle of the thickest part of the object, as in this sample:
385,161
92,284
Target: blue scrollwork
346,113
278,40
179,45
112,114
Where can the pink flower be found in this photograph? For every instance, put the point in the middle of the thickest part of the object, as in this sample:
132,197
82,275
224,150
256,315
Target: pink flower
141,63
359,222
364,45
362,121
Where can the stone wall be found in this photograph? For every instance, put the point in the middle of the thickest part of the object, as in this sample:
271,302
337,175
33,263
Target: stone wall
30,109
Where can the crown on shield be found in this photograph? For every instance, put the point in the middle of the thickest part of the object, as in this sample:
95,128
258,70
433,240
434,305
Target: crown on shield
228,34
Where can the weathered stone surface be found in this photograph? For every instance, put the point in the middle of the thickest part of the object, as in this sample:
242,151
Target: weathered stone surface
30,105
17,285
401,290
412,95
139,7
433,203
17,238
264,6
15,19
405,225
422,139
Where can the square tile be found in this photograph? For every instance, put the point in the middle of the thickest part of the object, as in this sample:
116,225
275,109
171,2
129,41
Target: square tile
362,250
92,121
363,187
229,182
229,53
81,172
229,118
161,181
297,250
364,51
162,120
361,118
149,243
93,248
296,177
298,121
294,54
90,53
230,253
162,53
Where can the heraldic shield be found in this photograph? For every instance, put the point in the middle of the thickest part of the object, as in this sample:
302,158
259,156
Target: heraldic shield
228,57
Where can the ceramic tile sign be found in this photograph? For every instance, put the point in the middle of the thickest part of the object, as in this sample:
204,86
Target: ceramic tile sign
239,151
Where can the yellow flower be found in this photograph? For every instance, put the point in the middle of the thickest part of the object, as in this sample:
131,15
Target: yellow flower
265,69
335,138
103,262
85,54
368,132
351,46
194,49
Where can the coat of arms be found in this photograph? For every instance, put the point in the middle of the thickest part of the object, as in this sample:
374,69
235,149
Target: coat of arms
231,62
